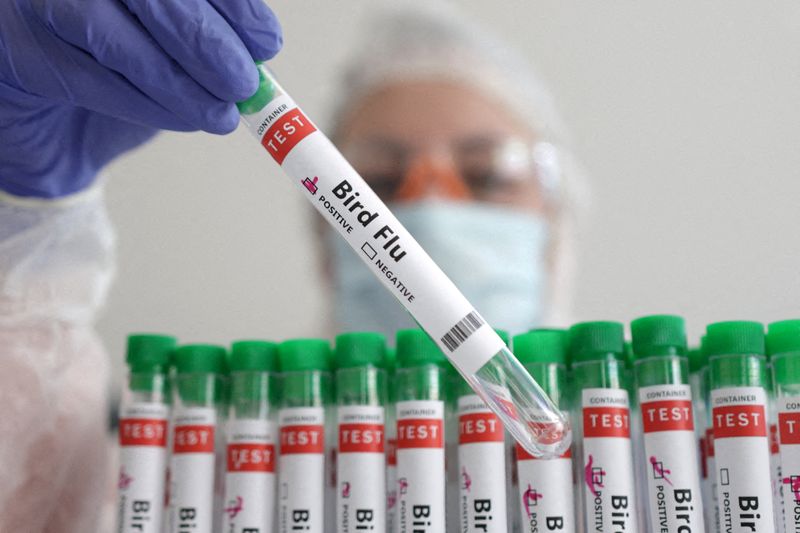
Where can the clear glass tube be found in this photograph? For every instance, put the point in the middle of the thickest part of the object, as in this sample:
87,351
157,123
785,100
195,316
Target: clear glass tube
347,202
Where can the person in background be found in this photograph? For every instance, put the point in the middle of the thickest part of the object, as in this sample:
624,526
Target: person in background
82,82
455,131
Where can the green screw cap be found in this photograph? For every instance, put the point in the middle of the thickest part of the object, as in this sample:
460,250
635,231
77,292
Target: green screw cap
783,337
200,358
255,356
596,341
541,346
360,349
658,335
415,348
297,355
734,337
149,353
263,95
696,360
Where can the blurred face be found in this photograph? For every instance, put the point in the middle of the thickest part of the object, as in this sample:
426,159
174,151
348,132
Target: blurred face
420,140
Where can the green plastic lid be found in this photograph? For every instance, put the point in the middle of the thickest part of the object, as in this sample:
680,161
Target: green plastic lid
734,337
541,346
696,360
360,349
596,341
298,355
416,348
150,352
783,337
658,335
503,334
263,95
200,358
628,354
256,356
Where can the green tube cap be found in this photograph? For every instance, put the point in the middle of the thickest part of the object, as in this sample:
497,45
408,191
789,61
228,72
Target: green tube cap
658,335
503,334
595,341
415,348
150,353
263,95
734,337
200,358
299,355
783,337
253,356
360,349
541,346
696,360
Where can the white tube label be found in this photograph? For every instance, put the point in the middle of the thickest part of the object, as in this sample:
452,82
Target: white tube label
671,466
249,477
301,469
377,237
142,458
481,467
608,462
546,499
789,438
192,494
420,467
361,469
741,445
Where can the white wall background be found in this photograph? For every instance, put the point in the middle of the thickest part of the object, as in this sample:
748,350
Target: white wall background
684,113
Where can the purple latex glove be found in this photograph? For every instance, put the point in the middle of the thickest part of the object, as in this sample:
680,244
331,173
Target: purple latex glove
82,81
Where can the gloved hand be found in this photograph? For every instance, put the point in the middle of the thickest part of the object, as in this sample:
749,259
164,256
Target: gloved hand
82,81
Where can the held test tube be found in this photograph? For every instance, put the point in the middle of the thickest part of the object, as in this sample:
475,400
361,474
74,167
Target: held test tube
199,392
305,391
391,441
143,430
598,366
420,433
249,503
665,398
739,413
360,461
783,342
546,492
363,220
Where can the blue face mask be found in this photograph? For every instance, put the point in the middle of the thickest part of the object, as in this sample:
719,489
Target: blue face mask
494,255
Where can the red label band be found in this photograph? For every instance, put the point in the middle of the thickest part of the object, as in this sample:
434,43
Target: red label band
739,421
194,439
143,432
789,424
420,433
710,443
288,130
606,422
364,438
774,446
391,452
667,415
251,457
302,439
523,455
479,427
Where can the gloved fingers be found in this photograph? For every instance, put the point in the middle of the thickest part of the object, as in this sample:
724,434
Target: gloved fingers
116,39
203,44
255,24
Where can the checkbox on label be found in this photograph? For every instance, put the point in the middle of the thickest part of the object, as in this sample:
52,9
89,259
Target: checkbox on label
724,477
368,250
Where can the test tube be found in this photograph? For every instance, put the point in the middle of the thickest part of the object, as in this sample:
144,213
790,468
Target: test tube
391,441
342,197
249,503
665,399
360,462
739,410
305,393
783,344
198,396
420,433
143,428
710,507
598,365
546,492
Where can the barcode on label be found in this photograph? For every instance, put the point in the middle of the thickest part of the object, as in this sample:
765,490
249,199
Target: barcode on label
462,330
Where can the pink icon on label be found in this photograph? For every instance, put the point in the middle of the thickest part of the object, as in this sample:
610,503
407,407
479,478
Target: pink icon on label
346,489
124,479
234,507
659,472
794,486
402,483
530,499
311,184
593,476
467,480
